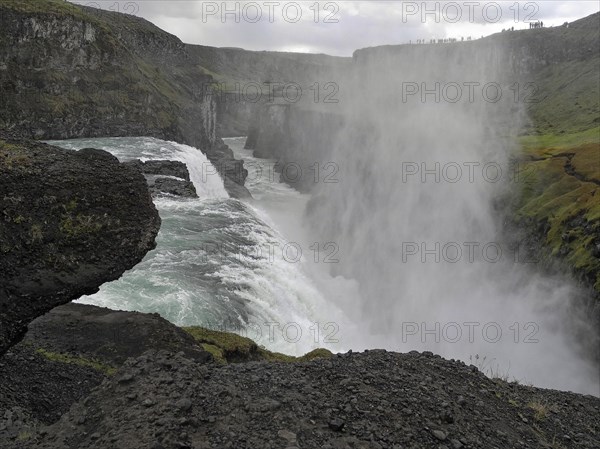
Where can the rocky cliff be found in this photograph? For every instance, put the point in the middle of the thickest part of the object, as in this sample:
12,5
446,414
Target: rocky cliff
298,138
69,222
247,80
70,71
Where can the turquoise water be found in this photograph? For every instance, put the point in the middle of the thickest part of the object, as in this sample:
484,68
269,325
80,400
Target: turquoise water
219,262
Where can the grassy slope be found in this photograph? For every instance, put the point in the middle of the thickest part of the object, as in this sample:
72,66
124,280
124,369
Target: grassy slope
559,182
569,95
560,186
559,161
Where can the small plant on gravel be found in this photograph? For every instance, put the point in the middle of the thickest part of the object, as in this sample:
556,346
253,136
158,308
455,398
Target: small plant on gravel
485,366
24,436
36,233
490,369
540,410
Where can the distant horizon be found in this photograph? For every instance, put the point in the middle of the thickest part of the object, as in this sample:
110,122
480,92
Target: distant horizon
339,28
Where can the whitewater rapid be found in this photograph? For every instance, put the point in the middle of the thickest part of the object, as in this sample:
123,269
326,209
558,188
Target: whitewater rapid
222,263
253,268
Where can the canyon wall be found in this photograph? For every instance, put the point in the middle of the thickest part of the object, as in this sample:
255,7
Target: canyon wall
69,71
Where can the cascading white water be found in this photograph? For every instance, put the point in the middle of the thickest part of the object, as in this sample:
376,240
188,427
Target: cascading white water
413,217
219,262
206,180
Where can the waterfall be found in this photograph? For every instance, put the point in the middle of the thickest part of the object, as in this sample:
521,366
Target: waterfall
203,174
420,166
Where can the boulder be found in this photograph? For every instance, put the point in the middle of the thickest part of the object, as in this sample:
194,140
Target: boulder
69,222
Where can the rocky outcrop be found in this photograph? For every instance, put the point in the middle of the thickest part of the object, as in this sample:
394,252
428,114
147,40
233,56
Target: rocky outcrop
71,350
375,399
89,377
166,168
69,222
170,186
231,170
70,71
167,177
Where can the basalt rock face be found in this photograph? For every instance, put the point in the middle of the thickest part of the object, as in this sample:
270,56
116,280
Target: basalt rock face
170,186
69,222
231,170
68,71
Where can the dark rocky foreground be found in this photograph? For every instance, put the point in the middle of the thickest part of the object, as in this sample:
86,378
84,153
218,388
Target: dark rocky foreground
69,351
89,377
69,222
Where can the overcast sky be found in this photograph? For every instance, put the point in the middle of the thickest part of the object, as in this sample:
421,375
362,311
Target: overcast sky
340,27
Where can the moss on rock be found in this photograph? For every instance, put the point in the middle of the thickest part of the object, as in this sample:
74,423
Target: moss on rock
228,347
81,361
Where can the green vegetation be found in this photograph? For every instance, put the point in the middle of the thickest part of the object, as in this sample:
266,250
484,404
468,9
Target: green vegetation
41,6
24,435
559,184
36,233
80,224
536,143
567,97
74,225
13,156
76,360
228,347
540,410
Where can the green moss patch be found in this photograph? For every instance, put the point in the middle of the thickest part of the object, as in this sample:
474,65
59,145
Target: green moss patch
232,348
76,360
13,156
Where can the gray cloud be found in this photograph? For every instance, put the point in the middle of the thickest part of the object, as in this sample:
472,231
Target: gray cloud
340,27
